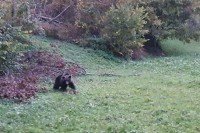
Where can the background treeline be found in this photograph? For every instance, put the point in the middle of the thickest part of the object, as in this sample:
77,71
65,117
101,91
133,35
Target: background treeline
121,27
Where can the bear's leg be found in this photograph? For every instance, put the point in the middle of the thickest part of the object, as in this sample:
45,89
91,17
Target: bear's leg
57,83
64,87
73,87
56,86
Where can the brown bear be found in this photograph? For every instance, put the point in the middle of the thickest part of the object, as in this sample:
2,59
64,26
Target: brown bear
63,81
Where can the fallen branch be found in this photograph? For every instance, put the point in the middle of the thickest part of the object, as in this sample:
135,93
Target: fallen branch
112,75
52,19
47,18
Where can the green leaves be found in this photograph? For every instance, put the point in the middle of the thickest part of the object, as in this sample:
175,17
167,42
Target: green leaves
124,28
10,46
176,17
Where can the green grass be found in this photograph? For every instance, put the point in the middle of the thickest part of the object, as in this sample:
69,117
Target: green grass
154,95
176,47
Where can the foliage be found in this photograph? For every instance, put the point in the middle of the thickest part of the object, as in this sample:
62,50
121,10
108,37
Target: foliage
124,28
191,29
5,9
165,19
12,41
121,24
175,17
82,19
89,13
12,44
18,88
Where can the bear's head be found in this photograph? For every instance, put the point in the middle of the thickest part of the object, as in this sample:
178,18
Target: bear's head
66,77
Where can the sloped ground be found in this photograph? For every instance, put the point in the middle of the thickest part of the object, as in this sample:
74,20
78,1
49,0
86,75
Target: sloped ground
23,85
153,95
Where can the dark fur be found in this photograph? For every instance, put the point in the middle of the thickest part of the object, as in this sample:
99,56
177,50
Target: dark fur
63,81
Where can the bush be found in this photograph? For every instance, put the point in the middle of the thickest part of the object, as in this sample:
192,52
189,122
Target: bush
124,28
89,13
12,43
178,19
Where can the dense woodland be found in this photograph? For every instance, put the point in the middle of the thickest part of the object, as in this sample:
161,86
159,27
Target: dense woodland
129,29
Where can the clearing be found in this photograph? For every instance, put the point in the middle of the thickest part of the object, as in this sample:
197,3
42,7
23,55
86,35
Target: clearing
153,95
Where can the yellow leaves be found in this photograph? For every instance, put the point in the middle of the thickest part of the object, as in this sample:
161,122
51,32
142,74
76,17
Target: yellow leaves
125,28
27,31
21,54
80,24
5,43
144,31
157,22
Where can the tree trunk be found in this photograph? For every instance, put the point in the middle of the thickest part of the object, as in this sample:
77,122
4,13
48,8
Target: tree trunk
13,11
14,5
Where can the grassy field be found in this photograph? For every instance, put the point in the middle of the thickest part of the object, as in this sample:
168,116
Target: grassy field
154,95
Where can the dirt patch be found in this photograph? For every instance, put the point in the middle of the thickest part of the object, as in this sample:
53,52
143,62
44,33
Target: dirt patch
138,54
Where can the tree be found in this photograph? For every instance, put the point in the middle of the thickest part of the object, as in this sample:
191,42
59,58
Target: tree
175,17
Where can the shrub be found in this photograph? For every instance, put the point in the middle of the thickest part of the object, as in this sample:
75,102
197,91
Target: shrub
12,43
124,28
89,13
178,19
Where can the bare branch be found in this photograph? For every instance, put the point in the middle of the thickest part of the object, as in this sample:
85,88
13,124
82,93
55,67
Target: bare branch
71,3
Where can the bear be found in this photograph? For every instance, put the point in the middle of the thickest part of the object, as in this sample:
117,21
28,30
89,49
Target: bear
63,81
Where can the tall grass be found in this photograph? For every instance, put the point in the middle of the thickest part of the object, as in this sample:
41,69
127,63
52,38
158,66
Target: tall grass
176,47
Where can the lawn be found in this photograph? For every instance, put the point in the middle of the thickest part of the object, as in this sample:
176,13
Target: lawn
153,95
